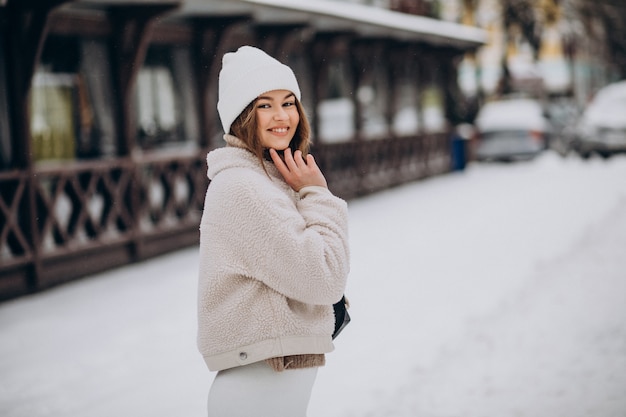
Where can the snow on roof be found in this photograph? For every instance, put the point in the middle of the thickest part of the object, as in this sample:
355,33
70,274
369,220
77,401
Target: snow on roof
357,17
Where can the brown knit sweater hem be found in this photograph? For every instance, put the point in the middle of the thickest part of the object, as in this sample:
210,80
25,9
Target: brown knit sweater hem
296,362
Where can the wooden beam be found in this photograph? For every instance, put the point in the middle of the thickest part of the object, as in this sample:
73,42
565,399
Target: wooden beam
273,37
27,25
132,26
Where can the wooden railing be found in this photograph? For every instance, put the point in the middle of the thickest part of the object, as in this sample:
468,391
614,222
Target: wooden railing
93,216
64,222
354,169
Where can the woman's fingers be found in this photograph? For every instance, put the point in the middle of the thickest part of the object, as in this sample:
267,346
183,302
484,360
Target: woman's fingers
310,161
280,164
294,160
296,171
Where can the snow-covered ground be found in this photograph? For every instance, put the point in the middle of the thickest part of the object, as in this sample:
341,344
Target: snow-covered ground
499,291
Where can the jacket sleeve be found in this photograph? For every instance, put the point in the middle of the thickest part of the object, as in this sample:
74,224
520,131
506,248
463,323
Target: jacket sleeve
299,249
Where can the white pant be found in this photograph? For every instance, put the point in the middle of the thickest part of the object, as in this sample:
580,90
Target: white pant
256,390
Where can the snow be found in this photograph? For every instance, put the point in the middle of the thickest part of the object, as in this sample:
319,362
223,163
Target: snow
493,292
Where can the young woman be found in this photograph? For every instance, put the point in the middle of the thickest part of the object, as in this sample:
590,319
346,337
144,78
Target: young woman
274,252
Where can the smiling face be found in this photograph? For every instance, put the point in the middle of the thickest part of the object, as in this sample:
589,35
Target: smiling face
277,118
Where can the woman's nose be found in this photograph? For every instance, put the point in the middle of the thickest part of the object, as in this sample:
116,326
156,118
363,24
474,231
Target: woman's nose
280,114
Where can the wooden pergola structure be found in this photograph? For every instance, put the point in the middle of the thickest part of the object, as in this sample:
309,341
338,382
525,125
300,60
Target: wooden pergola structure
107,111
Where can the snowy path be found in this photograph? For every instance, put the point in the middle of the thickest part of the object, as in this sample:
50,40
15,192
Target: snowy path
496,292
555,348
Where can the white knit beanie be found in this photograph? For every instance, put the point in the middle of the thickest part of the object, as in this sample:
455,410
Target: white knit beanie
245,75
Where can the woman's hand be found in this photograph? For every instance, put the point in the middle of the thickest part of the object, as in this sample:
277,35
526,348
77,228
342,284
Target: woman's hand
297,172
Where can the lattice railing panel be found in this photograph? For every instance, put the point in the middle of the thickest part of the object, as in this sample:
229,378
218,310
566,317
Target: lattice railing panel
359,168
171,193
15,242
438,153
83,206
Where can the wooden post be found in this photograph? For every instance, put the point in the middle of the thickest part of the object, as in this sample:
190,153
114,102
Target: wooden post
318,60
132,27
208,33
24,28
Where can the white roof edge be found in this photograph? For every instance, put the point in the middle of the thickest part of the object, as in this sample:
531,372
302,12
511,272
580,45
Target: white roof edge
394,22
128,2
382,17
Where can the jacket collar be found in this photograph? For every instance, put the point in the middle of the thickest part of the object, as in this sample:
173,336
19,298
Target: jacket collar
237,155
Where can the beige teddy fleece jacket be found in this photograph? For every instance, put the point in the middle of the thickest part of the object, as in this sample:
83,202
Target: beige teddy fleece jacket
272,263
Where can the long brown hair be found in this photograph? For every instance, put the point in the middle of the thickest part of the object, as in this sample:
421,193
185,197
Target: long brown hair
245,128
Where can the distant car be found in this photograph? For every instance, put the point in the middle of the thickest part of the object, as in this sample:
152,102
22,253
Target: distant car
602,126
511,129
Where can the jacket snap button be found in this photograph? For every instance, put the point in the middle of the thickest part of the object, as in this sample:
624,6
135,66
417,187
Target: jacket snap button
243,356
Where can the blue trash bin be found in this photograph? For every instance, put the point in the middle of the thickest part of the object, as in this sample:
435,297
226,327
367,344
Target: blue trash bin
460,146
458,153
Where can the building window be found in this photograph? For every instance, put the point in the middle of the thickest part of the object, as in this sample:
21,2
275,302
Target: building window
71,104
433,109
98,126
53,126
336,109
432,101
166,99
372,100
406,116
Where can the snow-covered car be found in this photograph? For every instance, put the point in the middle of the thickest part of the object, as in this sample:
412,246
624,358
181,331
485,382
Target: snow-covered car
511,129
602,126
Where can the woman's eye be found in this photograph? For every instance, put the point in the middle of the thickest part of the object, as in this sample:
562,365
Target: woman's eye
289,104
263,106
